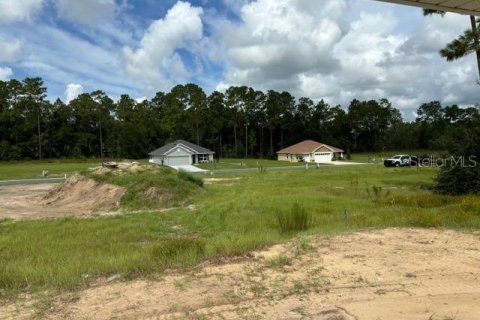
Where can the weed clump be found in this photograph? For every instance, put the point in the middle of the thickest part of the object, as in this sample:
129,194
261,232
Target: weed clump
278,262
377,194
190,178
179,251
296,219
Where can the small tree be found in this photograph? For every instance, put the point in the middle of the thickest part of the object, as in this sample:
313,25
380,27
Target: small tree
462,177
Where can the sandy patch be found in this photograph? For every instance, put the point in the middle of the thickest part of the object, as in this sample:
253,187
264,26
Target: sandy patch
84,193
222,181
78,196
406,274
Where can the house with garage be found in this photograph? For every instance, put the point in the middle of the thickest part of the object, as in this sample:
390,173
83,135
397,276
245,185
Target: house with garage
181,153
310,151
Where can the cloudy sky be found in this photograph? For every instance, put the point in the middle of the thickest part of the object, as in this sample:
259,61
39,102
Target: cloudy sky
331,49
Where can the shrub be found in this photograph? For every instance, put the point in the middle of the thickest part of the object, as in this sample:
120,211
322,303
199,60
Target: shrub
457,178
190,177
296,219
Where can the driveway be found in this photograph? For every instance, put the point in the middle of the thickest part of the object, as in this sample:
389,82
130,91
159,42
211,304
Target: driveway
188,168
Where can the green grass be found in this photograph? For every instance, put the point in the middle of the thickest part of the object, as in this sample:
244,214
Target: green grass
230,219
246,164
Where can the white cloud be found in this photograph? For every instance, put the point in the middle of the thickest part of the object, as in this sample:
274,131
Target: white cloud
64,58
18,10
72,91
5,73
88,12
10,49
278,40
340,50
156,60
435,31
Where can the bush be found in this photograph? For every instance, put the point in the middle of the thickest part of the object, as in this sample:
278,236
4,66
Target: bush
455,178
190,177
297,219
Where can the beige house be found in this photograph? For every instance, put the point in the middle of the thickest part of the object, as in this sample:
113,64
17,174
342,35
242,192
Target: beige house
310,151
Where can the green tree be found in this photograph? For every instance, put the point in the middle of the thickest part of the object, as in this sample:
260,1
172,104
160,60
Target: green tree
369,121
33,100
217,118
463,45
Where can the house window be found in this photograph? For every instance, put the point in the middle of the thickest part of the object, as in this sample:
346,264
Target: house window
203,158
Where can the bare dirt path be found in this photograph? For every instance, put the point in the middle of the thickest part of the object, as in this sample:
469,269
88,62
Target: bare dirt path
25,202
78,196
406,274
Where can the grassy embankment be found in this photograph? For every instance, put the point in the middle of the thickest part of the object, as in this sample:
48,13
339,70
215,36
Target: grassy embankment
231,218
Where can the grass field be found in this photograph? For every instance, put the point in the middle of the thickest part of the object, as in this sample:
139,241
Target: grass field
230,218
245,164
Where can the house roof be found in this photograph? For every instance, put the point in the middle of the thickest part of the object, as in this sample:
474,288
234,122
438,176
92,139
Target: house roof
308,146
195,149
470,7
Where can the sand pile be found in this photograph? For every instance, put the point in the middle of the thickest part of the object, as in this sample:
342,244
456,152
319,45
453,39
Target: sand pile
123,167
84,193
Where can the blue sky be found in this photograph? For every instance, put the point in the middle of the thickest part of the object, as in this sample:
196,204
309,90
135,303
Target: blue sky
335,50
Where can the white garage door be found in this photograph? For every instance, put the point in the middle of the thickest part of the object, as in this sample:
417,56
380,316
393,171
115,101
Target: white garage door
323,157
179,161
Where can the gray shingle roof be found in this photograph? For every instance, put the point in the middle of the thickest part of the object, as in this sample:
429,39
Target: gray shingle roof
196,149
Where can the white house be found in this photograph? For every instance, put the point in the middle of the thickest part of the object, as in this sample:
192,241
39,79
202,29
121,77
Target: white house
310,151
181,153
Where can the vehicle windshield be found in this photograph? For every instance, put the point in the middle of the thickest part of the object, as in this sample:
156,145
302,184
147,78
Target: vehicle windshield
397,157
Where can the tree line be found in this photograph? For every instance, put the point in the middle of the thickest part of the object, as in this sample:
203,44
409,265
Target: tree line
241,122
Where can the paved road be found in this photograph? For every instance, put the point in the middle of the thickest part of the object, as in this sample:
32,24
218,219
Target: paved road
31,181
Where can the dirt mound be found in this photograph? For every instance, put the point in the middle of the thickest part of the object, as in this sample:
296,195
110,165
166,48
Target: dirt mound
84,193
123,167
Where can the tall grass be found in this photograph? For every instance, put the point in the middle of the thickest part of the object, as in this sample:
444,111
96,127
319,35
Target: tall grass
190,178
179,252
296,219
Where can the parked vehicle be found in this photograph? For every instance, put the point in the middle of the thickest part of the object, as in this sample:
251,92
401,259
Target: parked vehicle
401,161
